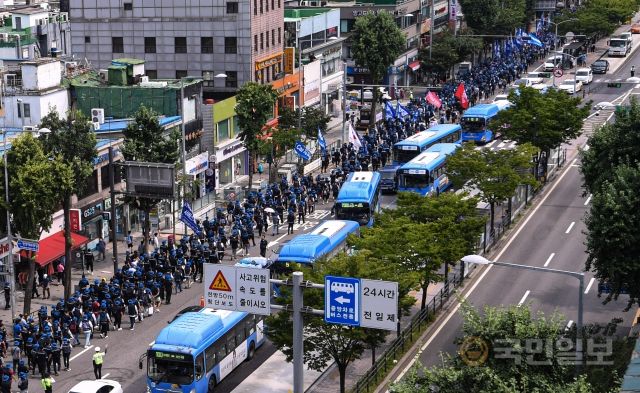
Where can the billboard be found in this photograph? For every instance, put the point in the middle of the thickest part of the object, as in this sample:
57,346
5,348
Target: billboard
312,83
150,179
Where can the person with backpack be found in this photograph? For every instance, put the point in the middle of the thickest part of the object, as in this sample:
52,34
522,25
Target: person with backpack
16,354
263,246
168,287
87,329
66,353
5,383
132,310
178,279
23,382
105,320
55,357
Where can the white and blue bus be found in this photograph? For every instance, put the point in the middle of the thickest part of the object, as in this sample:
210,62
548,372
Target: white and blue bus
359,198
324,241
199,349
407,149
475,122
426,174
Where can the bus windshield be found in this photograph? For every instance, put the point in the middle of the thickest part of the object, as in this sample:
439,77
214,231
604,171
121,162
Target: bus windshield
174,368
390,175
359,212
415,181
404,156
473,124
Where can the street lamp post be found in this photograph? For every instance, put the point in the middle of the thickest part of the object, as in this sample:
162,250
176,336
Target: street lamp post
480,260
575,62
557,24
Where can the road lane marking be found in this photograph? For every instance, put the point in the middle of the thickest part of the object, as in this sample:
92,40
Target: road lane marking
593,279
484,274
81,352
105,376
573,163
271,244
588,200
569,324
524,297
570,227
553,254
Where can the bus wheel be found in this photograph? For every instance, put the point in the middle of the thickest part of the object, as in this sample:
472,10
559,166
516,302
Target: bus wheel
252,351
212,384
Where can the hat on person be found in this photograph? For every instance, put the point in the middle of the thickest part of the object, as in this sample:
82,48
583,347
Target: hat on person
97,349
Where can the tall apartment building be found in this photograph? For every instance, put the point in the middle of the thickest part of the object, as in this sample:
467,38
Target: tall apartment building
226,42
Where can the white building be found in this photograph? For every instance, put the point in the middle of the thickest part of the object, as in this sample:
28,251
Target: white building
31,92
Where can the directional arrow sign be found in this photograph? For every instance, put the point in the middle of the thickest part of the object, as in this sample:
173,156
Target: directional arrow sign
29,245
342,300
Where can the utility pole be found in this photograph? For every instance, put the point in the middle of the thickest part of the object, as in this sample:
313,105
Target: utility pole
344,102
114,223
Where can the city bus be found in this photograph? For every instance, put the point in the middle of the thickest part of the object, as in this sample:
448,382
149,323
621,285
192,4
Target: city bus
199,349
325,240
359,198
475,122
426,174
407,149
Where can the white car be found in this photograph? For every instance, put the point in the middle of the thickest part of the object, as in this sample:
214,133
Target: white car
569,85
552,62
97,386
536,77
584,75
526,82
501,97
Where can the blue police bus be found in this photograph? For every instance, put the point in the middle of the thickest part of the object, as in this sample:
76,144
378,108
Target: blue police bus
325,240
199,349
475,122
359,198
407,149
426,174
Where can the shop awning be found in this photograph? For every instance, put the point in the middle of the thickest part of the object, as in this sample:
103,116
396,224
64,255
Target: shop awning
52,247
415,66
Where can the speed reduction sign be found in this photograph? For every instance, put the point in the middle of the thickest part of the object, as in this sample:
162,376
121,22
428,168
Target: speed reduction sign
557,72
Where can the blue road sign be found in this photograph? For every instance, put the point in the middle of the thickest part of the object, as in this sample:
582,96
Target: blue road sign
302,151
29,245
342,300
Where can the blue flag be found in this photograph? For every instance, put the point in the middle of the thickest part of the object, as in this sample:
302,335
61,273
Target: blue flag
301,150
321,142
402,111
533,40
389,113
187,217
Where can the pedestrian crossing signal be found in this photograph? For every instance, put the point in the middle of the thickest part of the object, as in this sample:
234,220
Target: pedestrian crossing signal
220,283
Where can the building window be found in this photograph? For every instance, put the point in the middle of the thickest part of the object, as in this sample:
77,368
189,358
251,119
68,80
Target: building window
232,79
279,34
181,74
272,7
117,45
128,6
87,39
180,44
273,37
261,5
152,74
255,43
223,130
207,78
267,38
230,45
255,7
266,5
149,44
232,7
206,44
27,110
261,41
278,3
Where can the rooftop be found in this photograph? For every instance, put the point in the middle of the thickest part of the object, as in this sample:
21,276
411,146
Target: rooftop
298,13
118,125
33,10
93,79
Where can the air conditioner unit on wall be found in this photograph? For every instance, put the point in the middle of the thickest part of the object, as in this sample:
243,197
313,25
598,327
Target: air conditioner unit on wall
97,115
28,128
95,125
144,79
104,75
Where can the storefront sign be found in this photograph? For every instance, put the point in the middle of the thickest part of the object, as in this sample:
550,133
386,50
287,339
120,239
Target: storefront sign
452,10
336,51
197,164
268,62
357,70
4,249
289,54
425,26
75,219
287,86
312,78
230,150
398,12
91,211
104,157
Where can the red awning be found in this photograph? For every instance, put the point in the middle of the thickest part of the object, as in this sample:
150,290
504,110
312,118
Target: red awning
415,66
52,247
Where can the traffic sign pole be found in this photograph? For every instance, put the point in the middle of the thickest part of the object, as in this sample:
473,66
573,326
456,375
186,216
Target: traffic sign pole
298,334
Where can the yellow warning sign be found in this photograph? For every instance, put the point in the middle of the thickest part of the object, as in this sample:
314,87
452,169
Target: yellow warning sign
220,283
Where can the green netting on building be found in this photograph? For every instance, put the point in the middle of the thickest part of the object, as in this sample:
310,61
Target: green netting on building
123,101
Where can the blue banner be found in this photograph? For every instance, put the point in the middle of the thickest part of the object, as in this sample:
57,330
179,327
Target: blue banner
187,217
321,142
302,151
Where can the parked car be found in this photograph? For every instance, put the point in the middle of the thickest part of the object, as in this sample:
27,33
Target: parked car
501,97
97,386
552,62
584,75
568,85
526,82
635,28
600,67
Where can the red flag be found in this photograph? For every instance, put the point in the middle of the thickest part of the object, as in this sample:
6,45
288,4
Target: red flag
433,99
461,95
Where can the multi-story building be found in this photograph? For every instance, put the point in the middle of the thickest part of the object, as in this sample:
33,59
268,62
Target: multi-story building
227,43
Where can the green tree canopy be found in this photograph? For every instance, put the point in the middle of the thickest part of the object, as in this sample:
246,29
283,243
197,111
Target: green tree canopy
147,141
376,43
494,16
611,145
276,146
325,342
75,143
449,50
254,107
600,17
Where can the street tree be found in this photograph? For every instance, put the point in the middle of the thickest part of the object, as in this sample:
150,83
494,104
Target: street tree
36,182
449,50
496,174
311,118
611,145
147,141
376,43
494,17
543,120
326,342
613,242
599,17
254,107
276,146
74,142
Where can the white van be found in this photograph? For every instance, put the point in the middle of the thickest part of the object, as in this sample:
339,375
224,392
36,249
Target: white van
584,75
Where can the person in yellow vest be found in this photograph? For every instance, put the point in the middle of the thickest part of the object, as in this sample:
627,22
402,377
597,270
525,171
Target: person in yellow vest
47,383
98,359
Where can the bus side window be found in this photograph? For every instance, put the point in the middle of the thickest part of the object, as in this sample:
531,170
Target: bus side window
199,366
249,325
221,351
231,342
210,357
240,335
